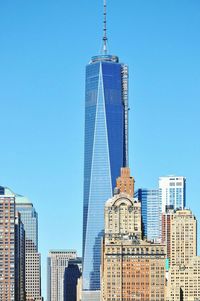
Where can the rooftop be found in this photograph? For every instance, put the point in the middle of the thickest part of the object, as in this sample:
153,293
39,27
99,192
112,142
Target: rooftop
105,58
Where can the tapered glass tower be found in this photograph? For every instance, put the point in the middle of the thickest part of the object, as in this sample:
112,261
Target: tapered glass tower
106,151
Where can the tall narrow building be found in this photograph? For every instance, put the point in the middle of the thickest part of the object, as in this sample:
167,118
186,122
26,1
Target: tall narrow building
29,218
184,272
183,237
12,249
106,151
20,259
7,245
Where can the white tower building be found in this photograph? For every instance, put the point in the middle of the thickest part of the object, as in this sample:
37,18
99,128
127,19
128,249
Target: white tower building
172,192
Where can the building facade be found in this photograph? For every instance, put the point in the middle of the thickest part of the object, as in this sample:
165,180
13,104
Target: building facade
184,281
166,229
72,274
184,272
12,249
29,218
105,154
151,213
7,245
57,262
123,217
132,269
183,237
125,183
172,191
20,259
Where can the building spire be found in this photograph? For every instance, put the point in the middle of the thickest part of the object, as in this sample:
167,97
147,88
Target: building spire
105,39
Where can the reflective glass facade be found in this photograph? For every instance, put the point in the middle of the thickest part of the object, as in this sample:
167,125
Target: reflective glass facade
151,213
105,154
30,220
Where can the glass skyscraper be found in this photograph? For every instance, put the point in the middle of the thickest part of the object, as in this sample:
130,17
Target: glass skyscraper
151,213
106,151
29,218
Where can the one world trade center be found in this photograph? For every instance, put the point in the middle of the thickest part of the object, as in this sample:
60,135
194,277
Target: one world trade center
105,152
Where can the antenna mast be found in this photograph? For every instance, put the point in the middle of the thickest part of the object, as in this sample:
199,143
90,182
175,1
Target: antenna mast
105,39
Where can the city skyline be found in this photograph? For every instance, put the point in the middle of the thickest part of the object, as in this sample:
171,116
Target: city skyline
31,131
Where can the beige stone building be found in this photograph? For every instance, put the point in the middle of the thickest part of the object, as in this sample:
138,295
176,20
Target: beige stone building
132,269
183,237
123,217
184,273
184,282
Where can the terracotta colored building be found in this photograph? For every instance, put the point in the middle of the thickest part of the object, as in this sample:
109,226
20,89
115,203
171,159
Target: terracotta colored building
125,183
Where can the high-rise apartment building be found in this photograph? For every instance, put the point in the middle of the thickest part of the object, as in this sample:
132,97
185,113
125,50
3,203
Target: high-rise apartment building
57,262
7,245
151,213
29,218
132,269
12,249
172,191
125,183
106,151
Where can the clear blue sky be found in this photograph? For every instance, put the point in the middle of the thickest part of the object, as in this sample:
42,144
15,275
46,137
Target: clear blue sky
44,47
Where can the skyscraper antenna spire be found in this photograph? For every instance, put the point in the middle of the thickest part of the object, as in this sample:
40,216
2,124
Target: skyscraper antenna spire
105,39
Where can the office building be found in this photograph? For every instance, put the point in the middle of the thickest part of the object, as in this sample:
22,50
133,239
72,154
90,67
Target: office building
106,151
184,272
183,237
132,269
72,275
29,218
151,213
57,262
125,183
172,191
